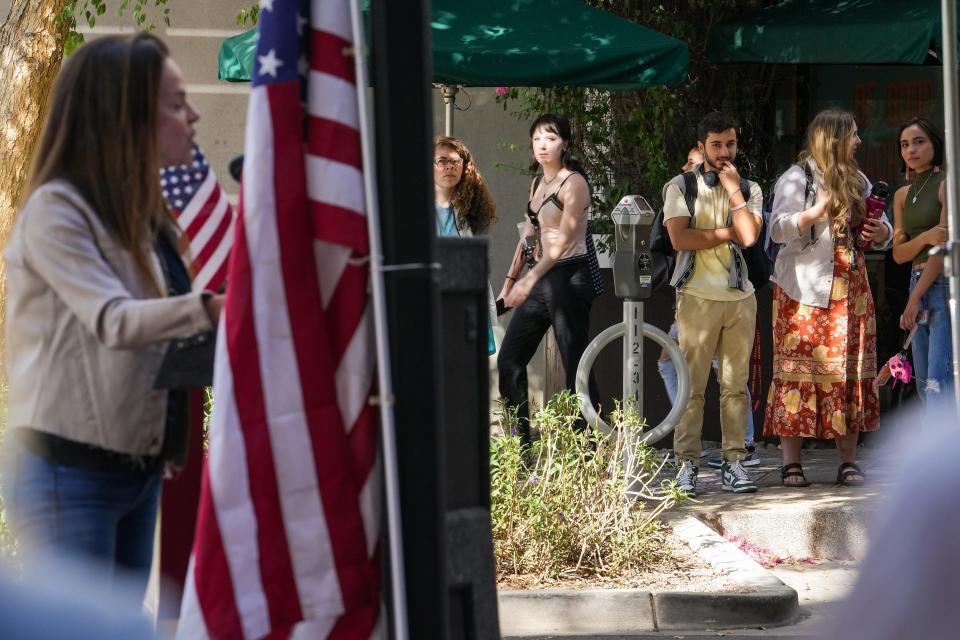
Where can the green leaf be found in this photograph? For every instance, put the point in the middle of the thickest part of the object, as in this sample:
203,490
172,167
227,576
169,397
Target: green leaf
67,13
74,40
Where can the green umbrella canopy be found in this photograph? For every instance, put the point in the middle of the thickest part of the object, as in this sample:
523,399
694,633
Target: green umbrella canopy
235,59
528,43
832,32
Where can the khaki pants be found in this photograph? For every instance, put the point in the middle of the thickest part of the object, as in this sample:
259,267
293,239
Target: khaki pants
727,329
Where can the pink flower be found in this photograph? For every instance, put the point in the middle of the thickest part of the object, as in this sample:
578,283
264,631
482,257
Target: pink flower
502,90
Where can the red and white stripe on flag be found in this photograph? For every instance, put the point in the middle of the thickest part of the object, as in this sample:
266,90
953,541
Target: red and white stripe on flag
288,526
203,212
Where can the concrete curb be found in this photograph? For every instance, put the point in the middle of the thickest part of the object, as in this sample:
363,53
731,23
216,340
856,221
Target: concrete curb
539,612
764,600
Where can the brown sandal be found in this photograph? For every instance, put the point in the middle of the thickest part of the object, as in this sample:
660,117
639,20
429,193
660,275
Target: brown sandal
848,469
793,470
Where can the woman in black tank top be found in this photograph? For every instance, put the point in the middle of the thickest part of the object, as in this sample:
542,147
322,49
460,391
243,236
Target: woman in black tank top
557,289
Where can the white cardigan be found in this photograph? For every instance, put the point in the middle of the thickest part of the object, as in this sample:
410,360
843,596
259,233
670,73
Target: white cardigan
804,267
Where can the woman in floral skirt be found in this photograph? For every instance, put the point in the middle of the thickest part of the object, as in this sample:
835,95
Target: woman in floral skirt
824,324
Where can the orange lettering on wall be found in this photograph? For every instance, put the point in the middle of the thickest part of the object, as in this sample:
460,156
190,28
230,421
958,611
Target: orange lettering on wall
881,161
907,99
864,106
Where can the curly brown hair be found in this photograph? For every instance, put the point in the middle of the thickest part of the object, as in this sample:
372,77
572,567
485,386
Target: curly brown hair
471,199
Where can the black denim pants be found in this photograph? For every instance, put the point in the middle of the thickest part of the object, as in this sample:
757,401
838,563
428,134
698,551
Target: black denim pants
561,299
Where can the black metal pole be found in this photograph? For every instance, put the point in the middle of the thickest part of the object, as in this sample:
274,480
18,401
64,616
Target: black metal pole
400,48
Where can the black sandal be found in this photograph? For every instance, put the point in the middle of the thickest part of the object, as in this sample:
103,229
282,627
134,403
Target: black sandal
848,469
793,470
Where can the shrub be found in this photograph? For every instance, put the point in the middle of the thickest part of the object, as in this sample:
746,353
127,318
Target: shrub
575,503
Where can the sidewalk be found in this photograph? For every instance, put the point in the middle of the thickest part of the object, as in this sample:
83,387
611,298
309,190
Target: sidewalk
809,539
822,521
820,532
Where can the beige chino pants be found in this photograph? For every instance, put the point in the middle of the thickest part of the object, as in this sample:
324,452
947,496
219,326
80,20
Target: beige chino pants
727,329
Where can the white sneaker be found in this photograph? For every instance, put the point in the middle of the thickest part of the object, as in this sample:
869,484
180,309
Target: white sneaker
687,478
753,458
715,460
733,477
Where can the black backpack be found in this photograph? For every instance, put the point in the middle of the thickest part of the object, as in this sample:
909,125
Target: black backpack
770,247
664,255
661,249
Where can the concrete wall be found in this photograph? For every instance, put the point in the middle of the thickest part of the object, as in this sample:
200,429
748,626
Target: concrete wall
198,27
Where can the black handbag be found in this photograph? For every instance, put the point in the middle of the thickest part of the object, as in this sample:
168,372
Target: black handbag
593,264
188,363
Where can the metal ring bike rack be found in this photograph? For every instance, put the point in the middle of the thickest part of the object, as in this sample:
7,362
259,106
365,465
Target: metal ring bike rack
590,354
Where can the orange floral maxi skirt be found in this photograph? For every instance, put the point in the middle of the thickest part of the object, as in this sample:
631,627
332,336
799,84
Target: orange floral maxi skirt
825,360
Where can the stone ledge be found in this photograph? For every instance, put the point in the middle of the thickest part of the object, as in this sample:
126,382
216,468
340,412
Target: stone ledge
762,599
574,611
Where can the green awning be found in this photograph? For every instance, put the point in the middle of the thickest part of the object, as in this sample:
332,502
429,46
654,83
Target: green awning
549,43
832,32
483,43
236,57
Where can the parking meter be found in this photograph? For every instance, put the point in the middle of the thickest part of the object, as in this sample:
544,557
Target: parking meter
633,282
632,262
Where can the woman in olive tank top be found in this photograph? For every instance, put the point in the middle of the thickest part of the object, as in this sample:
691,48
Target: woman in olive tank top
919,225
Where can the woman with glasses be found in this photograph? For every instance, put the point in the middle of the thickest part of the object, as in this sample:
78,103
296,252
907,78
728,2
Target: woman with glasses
463,205
558,288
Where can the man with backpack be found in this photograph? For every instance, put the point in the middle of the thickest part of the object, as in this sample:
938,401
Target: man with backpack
668,372
711,215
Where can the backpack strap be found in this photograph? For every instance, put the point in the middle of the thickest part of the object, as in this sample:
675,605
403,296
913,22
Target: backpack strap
808,190
809,186
690,191
745,189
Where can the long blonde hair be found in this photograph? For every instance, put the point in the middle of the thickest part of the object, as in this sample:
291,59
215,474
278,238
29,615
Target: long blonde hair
101,136
830,145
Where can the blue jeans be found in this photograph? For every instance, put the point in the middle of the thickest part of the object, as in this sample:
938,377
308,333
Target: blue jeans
668,372
105,519
932,344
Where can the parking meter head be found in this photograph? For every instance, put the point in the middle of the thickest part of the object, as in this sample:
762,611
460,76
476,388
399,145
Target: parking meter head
632,264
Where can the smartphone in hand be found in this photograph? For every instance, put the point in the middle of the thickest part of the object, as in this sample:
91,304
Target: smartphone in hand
502,307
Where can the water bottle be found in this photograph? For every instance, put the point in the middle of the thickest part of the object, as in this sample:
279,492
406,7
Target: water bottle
876,206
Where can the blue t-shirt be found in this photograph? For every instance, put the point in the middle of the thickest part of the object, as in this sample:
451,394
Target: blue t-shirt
446,227
446,221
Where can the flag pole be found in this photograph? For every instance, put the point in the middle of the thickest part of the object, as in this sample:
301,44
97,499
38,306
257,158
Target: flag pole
398,594
952,140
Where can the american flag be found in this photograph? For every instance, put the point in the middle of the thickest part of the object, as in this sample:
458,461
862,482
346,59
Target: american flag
203,212
288,525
